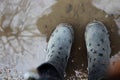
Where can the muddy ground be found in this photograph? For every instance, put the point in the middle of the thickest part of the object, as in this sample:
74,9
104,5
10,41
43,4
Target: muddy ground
78,13
22,46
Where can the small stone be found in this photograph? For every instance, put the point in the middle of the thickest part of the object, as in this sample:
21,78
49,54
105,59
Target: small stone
106,16
72,61
79,48
65,74
82,65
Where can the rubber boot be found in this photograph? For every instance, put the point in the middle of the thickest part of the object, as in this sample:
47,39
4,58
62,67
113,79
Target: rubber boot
98,49
59,47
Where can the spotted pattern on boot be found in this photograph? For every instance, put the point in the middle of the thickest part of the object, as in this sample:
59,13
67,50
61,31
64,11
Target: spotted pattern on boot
59,47
98,48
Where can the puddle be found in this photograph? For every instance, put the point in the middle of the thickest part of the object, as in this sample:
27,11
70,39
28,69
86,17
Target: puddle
23,23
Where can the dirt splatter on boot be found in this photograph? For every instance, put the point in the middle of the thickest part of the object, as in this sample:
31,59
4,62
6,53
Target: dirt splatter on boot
98,49
59,47
58,50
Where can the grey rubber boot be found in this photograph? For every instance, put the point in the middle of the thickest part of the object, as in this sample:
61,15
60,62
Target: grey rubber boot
98,49
59,47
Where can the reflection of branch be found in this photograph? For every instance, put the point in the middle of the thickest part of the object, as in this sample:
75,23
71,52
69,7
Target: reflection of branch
32,36
27,10
2,18
2,43
19,41
27,28
26,41
25,6
1,29
11,45
21,46
22,3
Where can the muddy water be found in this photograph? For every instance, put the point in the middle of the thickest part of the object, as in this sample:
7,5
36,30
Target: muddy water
20,39
21,34
78,13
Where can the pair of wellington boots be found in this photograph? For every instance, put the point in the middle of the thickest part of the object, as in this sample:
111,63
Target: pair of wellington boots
59,47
